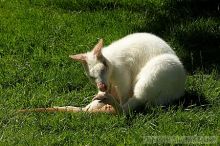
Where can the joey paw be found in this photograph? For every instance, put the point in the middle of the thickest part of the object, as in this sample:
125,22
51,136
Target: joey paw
103,97
100,96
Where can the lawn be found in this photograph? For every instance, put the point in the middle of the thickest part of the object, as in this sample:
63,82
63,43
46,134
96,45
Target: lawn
37,36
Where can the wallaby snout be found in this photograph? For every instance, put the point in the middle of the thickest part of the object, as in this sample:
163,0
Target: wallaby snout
102,87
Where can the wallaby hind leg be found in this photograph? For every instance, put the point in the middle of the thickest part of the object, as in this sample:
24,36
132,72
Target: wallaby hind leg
160,82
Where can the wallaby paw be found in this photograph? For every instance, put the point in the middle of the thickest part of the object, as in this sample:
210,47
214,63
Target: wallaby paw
104,98
100,96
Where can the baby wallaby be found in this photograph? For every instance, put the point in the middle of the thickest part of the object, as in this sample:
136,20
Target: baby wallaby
138,70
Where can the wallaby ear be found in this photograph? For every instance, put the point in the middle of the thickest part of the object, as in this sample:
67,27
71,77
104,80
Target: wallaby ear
98,48
79,57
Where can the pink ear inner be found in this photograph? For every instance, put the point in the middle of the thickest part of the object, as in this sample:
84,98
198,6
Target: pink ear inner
79,57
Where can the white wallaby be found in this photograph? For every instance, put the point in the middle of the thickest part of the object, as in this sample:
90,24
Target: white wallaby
138,70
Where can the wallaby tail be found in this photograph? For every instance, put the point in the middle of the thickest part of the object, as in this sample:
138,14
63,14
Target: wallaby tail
53,109
70,109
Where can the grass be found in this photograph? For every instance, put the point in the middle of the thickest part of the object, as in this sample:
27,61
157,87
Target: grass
36,37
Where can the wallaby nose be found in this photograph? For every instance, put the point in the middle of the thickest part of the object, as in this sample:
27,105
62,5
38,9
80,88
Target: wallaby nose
101,86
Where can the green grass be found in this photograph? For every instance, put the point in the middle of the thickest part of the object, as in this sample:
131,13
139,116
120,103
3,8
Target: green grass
36,37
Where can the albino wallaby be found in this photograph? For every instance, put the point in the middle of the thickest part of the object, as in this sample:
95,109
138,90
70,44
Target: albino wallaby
138,70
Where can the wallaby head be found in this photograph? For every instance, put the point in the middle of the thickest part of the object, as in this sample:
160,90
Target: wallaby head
96,66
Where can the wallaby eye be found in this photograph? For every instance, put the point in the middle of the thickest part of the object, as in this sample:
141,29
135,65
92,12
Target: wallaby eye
103,70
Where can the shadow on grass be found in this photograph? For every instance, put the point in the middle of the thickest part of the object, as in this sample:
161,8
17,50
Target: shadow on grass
192,27
189,101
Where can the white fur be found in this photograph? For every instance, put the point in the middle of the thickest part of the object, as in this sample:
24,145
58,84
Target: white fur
142,70
145,65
